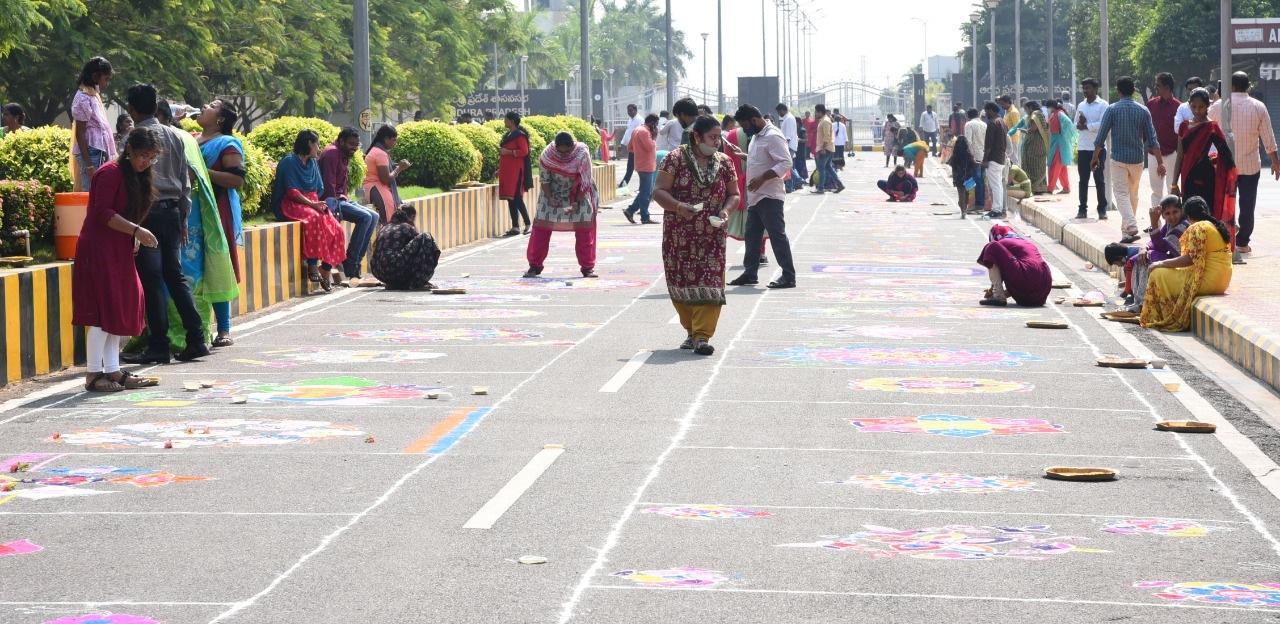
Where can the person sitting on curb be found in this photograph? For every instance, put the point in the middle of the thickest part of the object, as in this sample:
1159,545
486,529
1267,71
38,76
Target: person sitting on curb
1136,261
901,186
1016,270
335,161
1204,268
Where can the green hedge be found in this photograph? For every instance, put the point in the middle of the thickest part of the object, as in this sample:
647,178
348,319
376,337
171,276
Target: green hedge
275,139
548,127
440,154
28,205
259,173
485,141
537,142
42,154
583,132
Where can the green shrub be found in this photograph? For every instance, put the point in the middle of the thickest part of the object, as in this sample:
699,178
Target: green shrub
275,139
190,125
28,205
548,127
485,141
42,154
583,132
259,173
440,154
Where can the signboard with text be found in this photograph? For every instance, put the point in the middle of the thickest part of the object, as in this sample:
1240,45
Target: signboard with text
536,102
1255,35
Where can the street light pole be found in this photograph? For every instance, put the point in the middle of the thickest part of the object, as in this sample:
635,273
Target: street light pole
704,64
497,114
924,59
584,27
1052,90
1105,50
609,108
973,44
360,46
991,50
1224,61
719,58
671,75
524,110
764,56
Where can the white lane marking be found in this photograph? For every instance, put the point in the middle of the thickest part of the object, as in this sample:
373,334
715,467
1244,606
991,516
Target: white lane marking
806,592
395,487
700,447
620,378
489,514
685,425
1223,489
910,510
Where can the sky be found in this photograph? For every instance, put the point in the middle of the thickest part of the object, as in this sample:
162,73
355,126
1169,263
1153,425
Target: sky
883,31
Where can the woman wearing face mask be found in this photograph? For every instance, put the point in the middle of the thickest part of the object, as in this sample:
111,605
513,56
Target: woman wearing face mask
697,186
568,202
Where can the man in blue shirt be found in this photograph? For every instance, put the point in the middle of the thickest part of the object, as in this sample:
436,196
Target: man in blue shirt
1133,136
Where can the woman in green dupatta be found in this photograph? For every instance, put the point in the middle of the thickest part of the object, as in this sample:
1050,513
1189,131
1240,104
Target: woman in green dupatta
206,257
1035,146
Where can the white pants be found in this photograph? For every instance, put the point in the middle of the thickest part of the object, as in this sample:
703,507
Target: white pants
995,182
1160,185
102,351
1126,179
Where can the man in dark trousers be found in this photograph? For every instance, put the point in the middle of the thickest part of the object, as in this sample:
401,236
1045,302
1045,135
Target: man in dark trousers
768,161
160,267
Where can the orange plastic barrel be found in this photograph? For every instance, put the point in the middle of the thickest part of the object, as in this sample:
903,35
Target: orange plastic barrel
69,210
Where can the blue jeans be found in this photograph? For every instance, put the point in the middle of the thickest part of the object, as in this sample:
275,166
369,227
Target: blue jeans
365,221
644,195
98,158
827,172
796,180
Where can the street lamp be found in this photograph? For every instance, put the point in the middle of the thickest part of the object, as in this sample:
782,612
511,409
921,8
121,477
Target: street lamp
1017,51
608,109
719,58
924,29
991,49
523,109
973,44
704,64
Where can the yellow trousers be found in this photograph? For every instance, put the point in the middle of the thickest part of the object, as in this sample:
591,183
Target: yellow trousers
698,320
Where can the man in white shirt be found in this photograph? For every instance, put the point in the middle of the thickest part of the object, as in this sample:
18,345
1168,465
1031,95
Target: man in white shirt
1250,124
632,124
975,134
768,161
790,130
929,126
672,135
1088,120
841,137
1184,109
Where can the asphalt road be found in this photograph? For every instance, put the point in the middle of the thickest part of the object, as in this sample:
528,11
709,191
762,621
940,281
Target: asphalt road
867,447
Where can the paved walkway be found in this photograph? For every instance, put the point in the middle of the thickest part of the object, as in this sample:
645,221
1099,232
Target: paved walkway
867,446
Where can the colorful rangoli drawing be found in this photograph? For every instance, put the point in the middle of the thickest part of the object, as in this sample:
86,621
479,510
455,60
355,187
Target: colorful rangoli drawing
919,282
1215,593
221,432
343,391
292,358
882,295
940,385
950,426
155,479
63,482
541,283
469,313
1159,526
674,577
19,547
899,270
954,543
937,483
104,618
444,334
938,312
706,512
909,357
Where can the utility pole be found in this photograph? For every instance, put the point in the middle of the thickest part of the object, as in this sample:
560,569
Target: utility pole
973,44
497,112
1224,61
1017,51
1052,91
764,56
363,116
719,59
704,63
671,74
1105,49
584,27
991,51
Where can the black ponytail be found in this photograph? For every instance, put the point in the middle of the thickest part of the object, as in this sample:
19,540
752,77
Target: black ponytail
1197,210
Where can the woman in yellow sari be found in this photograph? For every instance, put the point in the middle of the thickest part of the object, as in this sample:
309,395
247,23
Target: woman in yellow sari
1204,268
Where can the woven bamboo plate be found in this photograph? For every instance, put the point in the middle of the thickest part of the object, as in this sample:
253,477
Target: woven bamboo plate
1062,285
1085,303
1068,473
1186,426
1121,317
1111,361
449,291
1047,325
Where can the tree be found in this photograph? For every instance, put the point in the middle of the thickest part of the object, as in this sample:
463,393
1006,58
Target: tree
1188,22
25,16
629,38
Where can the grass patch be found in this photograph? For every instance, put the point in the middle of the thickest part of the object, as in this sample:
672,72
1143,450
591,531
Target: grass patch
408,192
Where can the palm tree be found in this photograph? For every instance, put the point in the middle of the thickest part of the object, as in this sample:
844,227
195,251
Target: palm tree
547,60
629,38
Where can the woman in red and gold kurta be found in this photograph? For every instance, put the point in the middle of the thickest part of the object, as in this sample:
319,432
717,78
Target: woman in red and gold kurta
697,186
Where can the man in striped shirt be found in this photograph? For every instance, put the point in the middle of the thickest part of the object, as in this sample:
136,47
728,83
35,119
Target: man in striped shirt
1250,123
1132,136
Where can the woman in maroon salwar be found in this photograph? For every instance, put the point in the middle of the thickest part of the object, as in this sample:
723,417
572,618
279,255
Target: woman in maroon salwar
1016,269
106,292
1212,179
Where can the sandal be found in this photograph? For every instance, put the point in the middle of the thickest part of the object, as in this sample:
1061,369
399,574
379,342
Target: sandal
313,275
222,340
324,282
101,383
131,381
